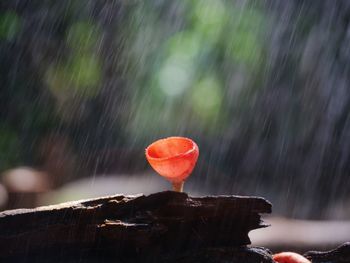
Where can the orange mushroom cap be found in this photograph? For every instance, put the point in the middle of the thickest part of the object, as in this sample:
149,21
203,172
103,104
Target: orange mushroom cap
173,158
289,257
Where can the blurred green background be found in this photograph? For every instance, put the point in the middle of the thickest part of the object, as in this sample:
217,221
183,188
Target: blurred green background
261,86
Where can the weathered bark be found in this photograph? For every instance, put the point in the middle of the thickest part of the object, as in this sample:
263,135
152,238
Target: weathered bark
340,254
161,227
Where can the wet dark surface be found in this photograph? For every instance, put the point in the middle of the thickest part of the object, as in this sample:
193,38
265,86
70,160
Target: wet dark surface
261,86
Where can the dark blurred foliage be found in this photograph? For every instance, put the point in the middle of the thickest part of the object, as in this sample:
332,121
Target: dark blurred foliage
262,86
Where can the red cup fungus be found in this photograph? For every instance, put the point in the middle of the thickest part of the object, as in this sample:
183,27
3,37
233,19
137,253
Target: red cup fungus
173,158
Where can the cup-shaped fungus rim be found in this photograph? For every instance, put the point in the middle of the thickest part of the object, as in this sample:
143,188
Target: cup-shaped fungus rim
177,155
164,155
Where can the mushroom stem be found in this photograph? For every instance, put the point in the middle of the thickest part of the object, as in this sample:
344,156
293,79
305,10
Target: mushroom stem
178,186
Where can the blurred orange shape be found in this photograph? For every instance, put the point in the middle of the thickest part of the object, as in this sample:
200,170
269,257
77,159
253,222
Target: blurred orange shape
289,257
173,158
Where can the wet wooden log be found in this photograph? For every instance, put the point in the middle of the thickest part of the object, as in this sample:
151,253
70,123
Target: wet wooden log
341,254
157,228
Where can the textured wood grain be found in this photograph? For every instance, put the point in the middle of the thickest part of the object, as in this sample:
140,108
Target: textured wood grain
131,227
340,254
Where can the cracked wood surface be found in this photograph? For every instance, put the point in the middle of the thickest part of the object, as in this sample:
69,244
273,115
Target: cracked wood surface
133,227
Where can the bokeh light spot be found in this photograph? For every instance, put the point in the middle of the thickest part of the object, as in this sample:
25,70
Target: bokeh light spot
175,76
207,98
83,36
79,77
209,18
10,25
